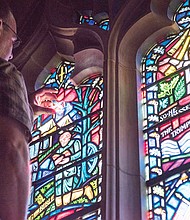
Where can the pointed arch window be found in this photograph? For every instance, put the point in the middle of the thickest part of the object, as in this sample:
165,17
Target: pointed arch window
166,122
66,150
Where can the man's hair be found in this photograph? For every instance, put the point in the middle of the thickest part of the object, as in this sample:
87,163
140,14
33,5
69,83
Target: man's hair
4,10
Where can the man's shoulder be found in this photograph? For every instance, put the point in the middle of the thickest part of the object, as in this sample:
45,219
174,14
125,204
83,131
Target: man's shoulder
6,63
2,61
7,67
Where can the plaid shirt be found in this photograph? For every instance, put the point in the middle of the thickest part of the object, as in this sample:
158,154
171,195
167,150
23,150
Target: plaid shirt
13,95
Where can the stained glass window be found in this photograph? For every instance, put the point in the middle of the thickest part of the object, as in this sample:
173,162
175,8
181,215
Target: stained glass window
103,23
166,122
66,150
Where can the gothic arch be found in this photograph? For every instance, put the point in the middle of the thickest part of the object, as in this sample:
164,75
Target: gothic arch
125,170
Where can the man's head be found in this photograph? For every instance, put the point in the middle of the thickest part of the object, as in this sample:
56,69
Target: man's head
7,31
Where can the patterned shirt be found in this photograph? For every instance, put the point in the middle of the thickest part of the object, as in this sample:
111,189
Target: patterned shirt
13,95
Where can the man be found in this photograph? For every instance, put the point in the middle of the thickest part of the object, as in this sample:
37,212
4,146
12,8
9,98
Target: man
15,123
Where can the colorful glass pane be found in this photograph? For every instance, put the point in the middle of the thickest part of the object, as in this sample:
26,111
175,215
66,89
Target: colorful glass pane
166,122
170,199
66,150
182,15
87,19
103,24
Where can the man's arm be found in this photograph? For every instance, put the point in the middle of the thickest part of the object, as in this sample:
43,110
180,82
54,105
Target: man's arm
15,170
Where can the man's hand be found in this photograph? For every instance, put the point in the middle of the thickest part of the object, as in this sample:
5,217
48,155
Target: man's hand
41,101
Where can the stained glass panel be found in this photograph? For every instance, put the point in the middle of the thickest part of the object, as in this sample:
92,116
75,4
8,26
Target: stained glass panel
103,23
166,122
170,199
66,150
